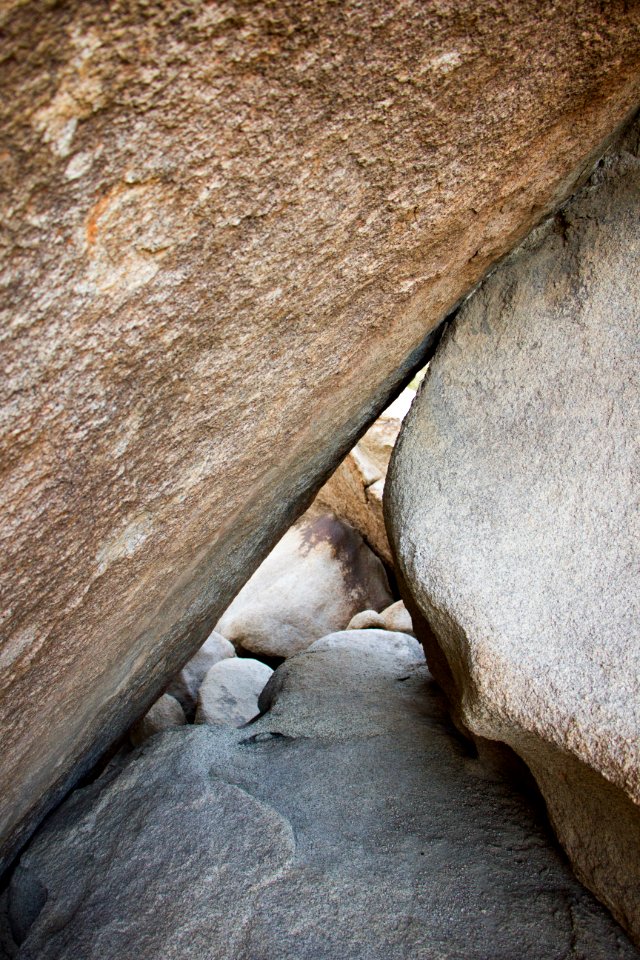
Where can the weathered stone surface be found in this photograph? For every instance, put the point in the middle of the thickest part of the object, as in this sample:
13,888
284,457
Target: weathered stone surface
185,685
164,714
355,490
346,823
311,584
229,693
513,504
227,232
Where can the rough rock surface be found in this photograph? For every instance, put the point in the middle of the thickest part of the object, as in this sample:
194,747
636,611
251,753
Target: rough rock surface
311,584
513,506
294,840
229,692
164,714
227,233
185,685
355,490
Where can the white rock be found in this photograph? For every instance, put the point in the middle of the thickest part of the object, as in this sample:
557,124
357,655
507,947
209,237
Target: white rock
164,714
185,685
312,583
229,693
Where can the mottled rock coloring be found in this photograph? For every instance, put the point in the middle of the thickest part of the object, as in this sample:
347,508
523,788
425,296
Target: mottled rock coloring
311,584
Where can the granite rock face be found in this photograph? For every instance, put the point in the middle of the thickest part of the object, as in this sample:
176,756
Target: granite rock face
311,584
227,234
513,509
294,841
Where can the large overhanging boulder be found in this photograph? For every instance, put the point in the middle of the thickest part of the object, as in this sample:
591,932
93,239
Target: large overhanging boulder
513,508
229,231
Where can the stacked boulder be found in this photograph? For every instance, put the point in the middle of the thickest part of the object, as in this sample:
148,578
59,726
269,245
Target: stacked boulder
320,578
355,490
313,582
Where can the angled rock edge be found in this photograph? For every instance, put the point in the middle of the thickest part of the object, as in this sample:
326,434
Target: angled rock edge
227,235
346,822
513,510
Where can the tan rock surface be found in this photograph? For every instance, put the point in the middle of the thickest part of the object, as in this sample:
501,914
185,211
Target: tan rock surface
227,232
355,491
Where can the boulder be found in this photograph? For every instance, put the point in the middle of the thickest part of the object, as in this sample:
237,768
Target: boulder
354,492
185,685
229,232
229,693
311,584
164,714
366,619
513,510
396,617
348,821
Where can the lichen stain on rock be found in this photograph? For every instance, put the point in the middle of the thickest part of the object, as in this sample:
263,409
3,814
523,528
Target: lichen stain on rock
127,232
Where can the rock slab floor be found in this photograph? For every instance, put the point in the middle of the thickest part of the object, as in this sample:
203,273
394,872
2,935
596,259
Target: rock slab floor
348,821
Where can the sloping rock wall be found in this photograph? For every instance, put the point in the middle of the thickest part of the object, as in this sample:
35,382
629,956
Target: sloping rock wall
228,231
513,508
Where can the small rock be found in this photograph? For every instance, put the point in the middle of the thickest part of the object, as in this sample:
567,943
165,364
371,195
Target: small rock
185,685
397,617
229,692
164,714
366,619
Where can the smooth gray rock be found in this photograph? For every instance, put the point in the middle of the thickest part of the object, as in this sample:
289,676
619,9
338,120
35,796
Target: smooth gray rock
513,509
185,685
311,584
347,822
229,692
165,713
